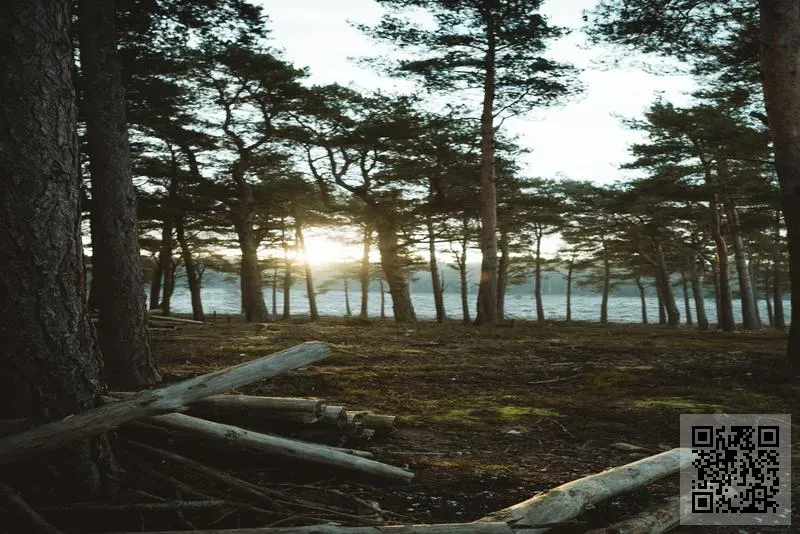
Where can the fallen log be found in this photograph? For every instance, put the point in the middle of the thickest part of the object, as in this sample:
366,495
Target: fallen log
149,403
571,499
165,319
335,416
655,520
16,512
299,450
381,424
451,528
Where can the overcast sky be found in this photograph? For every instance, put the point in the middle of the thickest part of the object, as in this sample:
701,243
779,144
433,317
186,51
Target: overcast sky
581,139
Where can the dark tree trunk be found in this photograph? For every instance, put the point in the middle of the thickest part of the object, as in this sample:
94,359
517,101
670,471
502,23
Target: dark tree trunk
746,290
123,335
606,285
166,266
537,282
487,292
754,267
668,298
347,311
155,285
717,299
767,301
642,298
365,271
50,365
310,291
394,271
777,290
699,298
570,271
780,62
274,287
725,311
436,282
287,274
686,306
502,275
383,299
253,306
662,313
461,261
191,272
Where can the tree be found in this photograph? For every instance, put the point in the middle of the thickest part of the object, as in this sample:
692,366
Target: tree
491,46
123,335
50,365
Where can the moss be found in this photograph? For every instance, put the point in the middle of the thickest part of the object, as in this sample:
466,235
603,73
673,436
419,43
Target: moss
515,412
678,403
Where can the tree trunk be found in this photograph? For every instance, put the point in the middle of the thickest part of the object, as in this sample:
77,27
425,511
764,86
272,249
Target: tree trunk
754,267
155,286
287,274
537,281
394,271
780,61
777,289
725,308
606,285
191,272
253,306
274,287
487,292
697,293
123,336
50,365
767,301
570,272
310,291
746,291
347,311
169,284
686,306
365,271
668,298
642,299
383,299
438,297
502,275
662,314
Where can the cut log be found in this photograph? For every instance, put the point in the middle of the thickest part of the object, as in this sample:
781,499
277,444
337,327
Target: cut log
250,403
288,448
335,416
570,500
148,403
655,520
451,528
381,424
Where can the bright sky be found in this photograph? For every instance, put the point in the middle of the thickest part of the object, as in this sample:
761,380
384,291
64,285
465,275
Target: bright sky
581,139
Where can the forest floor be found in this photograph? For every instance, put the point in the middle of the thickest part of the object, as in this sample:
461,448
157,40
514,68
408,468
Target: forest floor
482,420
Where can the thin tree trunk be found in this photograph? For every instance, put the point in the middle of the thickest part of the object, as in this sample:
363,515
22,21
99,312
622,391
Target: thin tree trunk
50,365
365,271
780,62
746,290
642,299
777,289
123,335
394,272
538,279
487,292
502,275
725,311
310,291
191,272
383,299
347,311
767,301
717,292
275,290
570,271
754,267
436,282
155,285
606,285
169,286
697,292
287,274
686,306
673,315
662,314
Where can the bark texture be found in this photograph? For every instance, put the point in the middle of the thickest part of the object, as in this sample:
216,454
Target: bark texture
192,276
642,299
365,268
123,335
394,271
750,319
699,297
50,365
537,281
436,281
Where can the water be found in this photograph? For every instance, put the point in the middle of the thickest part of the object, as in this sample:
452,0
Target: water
223,297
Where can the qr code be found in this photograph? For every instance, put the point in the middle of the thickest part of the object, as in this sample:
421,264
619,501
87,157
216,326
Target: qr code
737,470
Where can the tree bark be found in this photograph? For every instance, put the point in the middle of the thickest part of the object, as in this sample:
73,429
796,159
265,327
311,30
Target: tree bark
780,61
191,272
165,263
394,271
461,262
487,292
537,281
725,309
570,271
310,291
274,288
383,299
777,282
746,291
767,301
287,274
155,286
686,306
642,299
606,285
662,314
50,365
347,311
253,306
365,271
699,298
169,267
668,298
436,282
123,336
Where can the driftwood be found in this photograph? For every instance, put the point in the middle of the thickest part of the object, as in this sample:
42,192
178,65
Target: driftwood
452,528
253,441
154,402
655,520
570,500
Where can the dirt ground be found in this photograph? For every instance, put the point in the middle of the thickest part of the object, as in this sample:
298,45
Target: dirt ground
489,417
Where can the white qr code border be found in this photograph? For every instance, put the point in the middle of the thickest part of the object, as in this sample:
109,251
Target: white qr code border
736,469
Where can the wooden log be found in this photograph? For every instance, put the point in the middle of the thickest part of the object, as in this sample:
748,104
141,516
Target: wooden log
570,500
265,406
165,319
449,528
381,424
335,416
15,513
288,448
148,403
655,520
